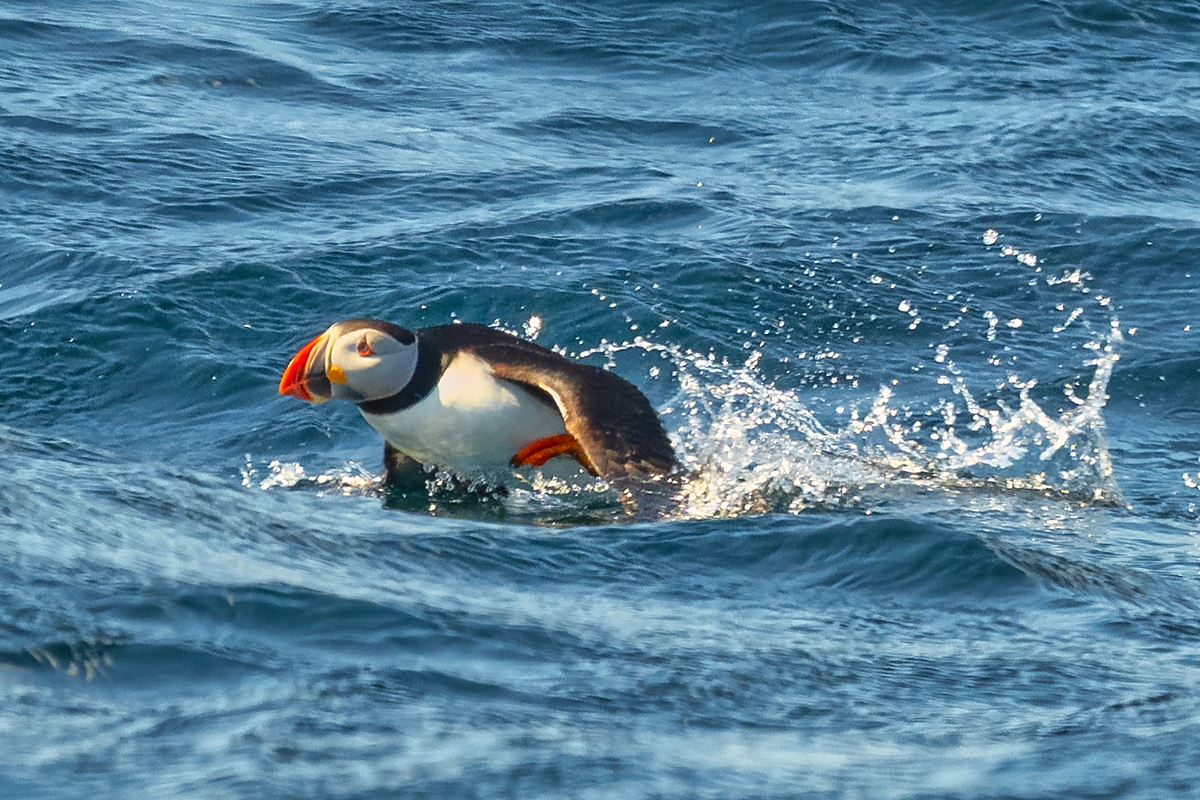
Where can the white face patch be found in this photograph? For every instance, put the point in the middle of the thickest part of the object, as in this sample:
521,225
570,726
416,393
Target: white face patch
367,364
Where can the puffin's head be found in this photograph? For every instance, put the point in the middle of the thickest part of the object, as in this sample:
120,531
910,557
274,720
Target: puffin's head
356,360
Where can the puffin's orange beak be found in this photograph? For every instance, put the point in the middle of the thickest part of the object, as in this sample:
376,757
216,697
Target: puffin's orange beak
296,378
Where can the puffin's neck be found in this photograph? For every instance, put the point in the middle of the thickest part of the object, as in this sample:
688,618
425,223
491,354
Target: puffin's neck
428,372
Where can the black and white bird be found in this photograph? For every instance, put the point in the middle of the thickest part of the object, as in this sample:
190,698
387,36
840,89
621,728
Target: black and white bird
479,402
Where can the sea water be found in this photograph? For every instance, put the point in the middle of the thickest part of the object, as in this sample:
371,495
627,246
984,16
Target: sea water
914,288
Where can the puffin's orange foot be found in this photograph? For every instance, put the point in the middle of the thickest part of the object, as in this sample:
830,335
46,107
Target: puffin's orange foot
541,451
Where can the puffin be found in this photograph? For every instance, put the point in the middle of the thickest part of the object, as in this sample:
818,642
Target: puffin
480,403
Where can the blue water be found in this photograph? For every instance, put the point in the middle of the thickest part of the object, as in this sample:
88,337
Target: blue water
914,287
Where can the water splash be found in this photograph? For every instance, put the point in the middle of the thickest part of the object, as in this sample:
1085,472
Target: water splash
748,446
753,447
539,497
350,478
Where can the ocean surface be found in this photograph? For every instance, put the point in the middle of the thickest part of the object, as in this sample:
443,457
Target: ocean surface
914,286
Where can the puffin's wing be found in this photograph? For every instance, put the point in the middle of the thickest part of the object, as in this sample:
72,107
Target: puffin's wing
613,422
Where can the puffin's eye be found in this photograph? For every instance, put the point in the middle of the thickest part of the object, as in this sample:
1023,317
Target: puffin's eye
364,347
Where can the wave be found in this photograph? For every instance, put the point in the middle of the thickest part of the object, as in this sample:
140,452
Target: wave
691,37
505,597
133,665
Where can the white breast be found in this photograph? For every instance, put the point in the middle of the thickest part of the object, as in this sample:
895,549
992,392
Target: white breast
471,422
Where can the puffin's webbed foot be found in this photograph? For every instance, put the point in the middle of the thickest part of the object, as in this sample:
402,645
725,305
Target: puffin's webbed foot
541,451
